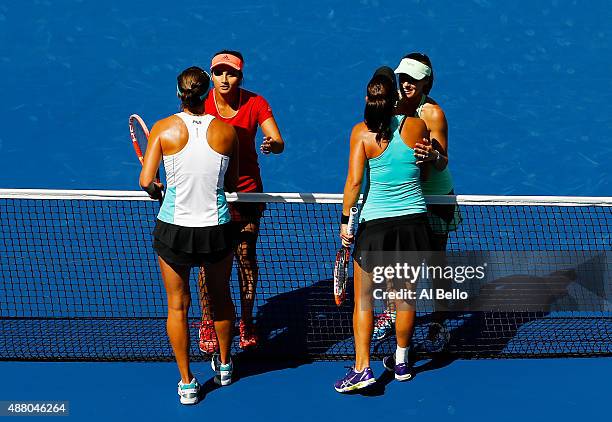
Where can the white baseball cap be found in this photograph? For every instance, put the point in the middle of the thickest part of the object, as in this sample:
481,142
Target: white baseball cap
413,68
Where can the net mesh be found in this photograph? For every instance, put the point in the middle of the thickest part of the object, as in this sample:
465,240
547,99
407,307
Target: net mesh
80,280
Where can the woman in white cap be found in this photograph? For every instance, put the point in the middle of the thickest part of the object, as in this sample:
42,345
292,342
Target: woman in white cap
193,224
416,77
245,111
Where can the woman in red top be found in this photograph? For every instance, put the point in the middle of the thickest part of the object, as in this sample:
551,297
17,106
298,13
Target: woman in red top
244,110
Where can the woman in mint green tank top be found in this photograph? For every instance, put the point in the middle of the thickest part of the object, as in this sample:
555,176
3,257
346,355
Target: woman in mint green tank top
393,218
416,78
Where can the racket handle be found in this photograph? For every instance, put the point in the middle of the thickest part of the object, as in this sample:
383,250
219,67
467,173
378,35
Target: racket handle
158,180
351,222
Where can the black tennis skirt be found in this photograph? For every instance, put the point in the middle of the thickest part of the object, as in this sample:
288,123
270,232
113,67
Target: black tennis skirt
192,246
377,239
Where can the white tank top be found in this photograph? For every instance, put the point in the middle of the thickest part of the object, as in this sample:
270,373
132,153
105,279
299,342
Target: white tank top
194,175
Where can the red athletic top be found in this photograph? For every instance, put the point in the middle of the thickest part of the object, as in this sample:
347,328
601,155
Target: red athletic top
253,111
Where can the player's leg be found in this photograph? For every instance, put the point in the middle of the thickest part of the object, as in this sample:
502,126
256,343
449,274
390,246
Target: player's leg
248,276
176,282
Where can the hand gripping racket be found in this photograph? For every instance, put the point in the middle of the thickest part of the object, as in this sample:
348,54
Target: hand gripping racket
343,256
139,132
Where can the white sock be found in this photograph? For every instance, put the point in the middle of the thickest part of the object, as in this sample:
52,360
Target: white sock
401,353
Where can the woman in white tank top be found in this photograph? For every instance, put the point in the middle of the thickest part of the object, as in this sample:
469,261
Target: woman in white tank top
193,224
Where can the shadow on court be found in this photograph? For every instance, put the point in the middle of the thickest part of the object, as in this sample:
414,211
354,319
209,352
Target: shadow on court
303,325
547,330
298,327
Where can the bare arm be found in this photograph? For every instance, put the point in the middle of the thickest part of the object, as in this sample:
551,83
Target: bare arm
438,133
231,175
273,141
354,178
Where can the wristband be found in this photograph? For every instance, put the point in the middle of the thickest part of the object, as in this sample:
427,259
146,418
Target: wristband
153,191
344,219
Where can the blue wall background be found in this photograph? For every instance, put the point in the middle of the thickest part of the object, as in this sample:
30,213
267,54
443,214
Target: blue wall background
526,85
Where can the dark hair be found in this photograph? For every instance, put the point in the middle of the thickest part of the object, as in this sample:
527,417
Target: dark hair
191,87
380,102
420,57
387,72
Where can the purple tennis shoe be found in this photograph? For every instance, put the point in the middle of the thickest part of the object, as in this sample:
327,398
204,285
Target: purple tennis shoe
403,371
354,380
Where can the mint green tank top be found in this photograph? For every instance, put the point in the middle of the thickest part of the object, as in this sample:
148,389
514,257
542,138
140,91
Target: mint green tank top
394,186
438,182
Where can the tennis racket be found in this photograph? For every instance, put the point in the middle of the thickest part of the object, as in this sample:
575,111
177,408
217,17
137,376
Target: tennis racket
343,257
139,132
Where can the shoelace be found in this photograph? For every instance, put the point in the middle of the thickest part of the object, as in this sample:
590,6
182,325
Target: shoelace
350,370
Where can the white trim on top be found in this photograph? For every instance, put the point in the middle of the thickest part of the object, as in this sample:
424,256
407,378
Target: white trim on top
309,198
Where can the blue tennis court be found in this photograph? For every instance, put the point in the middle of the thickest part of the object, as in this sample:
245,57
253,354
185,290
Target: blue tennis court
466,390
526,90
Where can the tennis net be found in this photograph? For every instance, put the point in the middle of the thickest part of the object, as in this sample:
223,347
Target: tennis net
80,280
